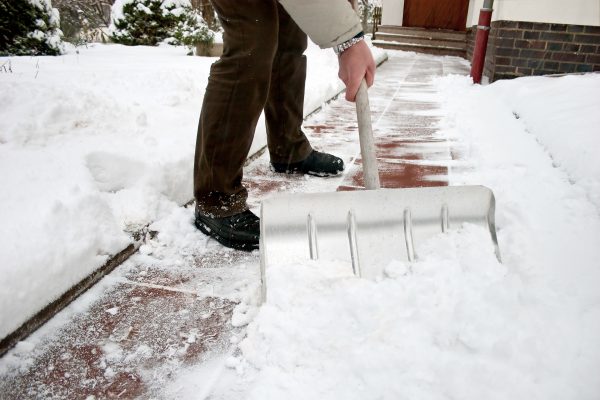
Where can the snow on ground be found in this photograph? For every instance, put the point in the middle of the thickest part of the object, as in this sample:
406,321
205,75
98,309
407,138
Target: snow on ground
562,114
457,323
454,324
94,144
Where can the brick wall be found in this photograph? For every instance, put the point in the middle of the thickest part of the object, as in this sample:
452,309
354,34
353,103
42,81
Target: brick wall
517,48
470,42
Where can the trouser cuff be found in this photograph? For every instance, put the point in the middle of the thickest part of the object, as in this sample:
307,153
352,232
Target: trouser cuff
220,205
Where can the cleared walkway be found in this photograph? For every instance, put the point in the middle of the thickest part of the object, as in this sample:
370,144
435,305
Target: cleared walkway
172,306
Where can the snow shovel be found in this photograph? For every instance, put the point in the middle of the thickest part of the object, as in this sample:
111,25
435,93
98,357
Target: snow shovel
366,228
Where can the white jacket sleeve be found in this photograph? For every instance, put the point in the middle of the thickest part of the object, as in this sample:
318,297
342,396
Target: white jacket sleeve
326,22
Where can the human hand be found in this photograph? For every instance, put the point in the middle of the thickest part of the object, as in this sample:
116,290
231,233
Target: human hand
356,63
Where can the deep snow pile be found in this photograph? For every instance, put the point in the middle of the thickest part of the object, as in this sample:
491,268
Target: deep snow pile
415,333
456,323
94,144
562,114
91,143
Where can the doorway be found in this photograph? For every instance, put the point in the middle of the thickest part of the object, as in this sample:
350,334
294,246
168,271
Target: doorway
436,14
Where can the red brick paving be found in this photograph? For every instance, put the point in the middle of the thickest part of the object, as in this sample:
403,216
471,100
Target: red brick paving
106,351
152,320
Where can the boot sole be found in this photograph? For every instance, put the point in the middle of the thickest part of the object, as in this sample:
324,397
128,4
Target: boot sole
226,241
300,172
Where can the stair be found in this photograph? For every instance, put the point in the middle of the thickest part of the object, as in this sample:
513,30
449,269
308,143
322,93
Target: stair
421,40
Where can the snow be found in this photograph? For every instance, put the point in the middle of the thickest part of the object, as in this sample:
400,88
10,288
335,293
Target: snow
177,7
456,323
100,142
548,215
541,104
41,4
414,333
116,12
143,8
95,144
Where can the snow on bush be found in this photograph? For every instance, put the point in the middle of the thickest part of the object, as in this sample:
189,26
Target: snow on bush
29,27
150,22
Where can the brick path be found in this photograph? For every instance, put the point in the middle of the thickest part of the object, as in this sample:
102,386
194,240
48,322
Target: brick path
170,307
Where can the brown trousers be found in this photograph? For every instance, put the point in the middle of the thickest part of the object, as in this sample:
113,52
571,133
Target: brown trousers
262,67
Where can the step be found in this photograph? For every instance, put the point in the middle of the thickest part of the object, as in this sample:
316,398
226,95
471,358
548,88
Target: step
420,40
438,34
419,48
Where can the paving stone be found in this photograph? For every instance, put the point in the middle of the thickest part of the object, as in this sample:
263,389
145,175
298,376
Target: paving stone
400,175
121,345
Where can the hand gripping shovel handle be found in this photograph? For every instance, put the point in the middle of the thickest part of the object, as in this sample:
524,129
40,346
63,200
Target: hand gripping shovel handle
365,135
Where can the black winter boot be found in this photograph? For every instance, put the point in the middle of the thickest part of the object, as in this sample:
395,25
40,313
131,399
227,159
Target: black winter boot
240,231
317,163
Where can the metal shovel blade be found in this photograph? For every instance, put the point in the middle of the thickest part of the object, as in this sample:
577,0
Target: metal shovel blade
368,228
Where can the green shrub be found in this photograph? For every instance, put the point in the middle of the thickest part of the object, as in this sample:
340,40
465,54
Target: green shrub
150,22
192,31
29,27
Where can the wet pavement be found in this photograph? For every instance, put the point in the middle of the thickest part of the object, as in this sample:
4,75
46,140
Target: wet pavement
173,305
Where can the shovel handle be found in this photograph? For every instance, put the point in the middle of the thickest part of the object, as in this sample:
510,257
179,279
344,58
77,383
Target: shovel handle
365,135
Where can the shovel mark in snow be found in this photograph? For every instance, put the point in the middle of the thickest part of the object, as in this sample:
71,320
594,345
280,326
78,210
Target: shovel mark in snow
113,172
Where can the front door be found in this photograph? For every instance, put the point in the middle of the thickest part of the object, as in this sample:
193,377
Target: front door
437,14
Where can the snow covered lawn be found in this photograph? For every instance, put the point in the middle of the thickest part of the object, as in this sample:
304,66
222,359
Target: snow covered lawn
457,324
95,144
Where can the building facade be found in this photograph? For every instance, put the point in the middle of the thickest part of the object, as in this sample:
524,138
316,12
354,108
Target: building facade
528,37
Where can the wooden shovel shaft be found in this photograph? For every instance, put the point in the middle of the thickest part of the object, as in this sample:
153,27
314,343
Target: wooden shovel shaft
365,135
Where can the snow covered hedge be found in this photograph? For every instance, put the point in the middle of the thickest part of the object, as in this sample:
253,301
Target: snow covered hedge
150,22
29,27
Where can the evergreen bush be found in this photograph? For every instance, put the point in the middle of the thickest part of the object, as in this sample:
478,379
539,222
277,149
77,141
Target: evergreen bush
150,22
29,27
